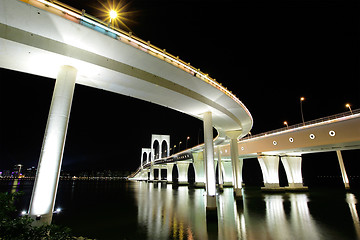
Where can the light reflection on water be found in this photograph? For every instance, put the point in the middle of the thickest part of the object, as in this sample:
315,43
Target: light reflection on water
140,210
351,200
169,213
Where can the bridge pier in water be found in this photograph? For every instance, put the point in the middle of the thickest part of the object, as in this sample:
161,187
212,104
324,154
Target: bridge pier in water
199,169
236,163
270,170
48,172
292,165
183,172
209,162
169,168
220,169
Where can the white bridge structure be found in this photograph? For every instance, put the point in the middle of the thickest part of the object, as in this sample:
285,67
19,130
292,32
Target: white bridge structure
51,39
333,133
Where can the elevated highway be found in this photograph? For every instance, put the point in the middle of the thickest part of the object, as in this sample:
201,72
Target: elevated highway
51,39
333,133
337,132
39,40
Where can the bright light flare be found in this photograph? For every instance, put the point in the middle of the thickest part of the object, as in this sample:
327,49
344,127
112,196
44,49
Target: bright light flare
115,12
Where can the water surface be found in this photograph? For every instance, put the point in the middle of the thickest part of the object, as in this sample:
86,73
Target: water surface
140,210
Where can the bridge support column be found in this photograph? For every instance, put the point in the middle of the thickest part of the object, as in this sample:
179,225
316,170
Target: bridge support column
228,175
152,174
169,168
47,176
270,170
343,171
236,163
292,165
199,169
159,175
183,172
209,162
220,169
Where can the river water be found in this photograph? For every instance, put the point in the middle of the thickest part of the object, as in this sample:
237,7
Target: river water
140,210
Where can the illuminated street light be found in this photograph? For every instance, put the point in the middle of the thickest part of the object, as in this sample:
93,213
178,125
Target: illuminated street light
180,145
286,123
113,14
187,139
301,109
349,107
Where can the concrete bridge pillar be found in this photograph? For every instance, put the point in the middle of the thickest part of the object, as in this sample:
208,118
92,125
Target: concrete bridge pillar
183,172
199,169
292,165
220,169
152,175
343,171
270,170
47,176
209,162
236,163
159,175
169,168
227,173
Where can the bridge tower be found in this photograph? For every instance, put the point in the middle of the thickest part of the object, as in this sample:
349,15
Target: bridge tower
160,148
145,159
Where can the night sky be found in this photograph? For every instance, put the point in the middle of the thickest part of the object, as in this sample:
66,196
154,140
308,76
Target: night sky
269,53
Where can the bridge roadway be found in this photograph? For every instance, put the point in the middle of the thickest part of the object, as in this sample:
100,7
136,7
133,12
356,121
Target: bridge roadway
332,133
50,39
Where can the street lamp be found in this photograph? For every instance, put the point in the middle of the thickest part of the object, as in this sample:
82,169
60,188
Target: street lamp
174,149
113,15
187,139
180,145
286,123
348,106
301,109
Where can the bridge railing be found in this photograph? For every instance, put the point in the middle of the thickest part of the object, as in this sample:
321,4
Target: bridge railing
307,123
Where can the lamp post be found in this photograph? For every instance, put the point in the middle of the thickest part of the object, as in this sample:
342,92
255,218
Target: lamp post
286,124
180,146
349,107
301,109
174,149
187,139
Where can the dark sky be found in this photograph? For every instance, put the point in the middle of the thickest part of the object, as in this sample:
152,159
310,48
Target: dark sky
269,53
